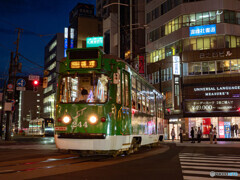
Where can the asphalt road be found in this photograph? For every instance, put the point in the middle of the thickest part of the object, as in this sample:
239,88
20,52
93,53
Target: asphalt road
43,161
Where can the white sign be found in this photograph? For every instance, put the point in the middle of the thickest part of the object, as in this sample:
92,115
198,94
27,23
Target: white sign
176,65
21,88
8,106
33,77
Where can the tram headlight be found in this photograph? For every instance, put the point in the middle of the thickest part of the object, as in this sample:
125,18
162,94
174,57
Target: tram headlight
66,119
93,119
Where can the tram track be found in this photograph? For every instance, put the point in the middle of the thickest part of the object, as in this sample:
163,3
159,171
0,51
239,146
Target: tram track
18,166
48,166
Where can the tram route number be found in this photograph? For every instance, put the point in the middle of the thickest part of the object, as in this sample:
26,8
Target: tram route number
80,124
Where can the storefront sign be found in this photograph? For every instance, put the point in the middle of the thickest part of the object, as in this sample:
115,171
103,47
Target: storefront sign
215,54
94,41
208,92
209,106
176,65
202,30
141,64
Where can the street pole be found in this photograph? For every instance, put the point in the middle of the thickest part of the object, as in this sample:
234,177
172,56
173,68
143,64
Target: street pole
118,16
131,35
2,110
11,94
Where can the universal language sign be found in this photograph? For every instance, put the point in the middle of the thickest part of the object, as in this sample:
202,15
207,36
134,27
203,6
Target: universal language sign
202,30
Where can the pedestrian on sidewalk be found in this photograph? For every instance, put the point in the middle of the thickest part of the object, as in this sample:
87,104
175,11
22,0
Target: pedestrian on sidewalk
199,135
181,135
192,135
215,135
173,134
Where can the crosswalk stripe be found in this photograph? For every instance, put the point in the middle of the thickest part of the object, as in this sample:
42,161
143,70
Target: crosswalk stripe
193,160
196,166
201,158
237,157
201,178
207,164
212,168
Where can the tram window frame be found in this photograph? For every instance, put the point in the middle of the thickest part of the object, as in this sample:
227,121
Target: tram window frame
123,88
134,93
139,96
147,100
143,98
119,90
126,88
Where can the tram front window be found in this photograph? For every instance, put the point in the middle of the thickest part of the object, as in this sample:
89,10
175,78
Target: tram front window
84,88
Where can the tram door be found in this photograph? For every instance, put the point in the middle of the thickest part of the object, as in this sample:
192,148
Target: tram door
126,103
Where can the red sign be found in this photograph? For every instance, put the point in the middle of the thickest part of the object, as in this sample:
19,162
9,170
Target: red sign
206,125
221,129
60,128
141,64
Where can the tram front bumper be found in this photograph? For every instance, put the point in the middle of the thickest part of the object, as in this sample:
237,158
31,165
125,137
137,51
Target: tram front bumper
82,135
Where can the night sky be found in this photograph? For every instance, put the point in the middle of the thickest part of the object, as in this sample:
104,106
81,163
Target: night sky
36,18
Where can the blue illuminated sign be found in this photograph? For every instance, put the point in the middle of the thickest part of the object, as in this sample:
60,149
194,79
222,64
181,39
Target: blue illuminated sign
202,30
94,41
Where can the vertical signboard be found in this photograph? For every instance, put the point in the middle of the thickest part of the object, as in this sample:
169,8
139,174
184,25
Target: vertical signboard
176,65
206,125
221,129
227,129
65,41
141,64
71,37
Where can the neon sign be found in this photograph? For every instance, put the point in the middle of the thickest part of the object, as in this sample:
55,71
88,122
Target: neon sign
94,41
202,30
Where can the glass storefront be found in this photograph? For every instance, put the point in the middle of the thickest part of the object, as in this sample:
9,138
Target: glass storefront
176,124
227,127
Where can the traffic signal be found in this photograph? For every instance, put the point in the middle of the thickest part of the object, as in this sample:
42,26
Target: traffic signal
45,82
35,85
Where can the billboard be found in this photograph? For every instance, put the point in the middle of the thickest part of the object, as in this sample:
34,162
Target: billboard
202,30
94,41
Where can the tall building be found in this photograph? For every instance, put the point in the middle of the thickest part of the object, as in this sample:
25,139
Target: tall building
83,24
193,57
54,52
124,29
28,104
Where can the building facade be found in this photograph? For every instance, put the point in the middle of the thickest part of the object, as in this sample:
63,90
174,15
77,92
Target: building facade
193,57
83,24
54,52
124,30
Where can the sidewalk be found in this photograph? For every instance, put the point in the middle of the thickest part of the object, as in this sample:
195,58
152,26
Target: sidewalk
235,144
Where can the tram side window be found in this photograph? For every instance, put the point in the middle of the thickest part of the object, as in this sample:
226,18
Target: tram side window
127,90
139,96
133,91
123,89
143,98
147,100
118,97
152,102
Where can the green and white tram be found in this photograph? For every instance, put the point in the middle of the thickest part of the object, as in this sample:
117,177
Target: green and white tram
104,105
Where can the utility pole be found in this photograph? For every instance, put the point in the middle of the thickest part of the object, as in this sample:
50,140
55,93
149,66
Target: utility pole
2,110
131,34
11,94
